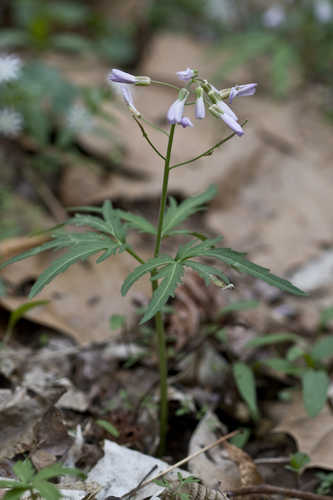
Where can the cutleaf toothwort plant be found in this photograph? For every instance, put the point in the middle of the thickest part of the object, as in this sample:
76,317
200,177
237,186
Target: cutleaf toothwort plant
110,226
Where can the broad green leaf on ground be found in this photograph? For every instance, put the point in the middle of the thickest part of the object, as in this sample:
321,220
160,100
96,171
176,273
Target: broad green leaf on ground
206,272
273,338
171,276
147,267
315,386
238,261
246,385
15,493
322,349
47,490
24,470
56,470
176,214
137,222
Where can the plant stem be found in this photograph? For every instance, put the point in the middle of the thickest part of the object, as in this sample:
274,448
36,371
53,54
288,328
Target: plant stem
161,340
208,152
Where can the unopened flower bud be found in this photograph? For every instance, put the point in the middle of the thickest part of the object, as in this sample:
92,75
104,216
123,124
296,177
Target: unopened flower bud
176,110
119,76
227,118
200,111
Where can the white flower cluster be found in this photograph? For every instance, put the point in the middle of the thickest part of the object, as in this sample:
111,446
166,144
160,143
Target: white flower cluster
79,120
11,122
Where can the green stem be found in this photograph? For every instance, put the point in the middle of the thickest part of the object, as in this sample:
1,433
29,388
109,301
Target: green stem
145,135
165,84
208,152
135,255
161,340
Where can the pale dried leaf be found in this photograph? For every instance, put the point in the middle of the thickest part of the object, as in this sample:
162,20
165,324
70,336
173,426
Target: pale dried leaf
314,436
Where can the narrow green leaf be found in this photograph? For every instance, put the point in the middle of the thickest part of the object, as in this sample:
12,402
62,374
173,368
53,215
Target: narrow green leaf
75,254
246,385
273,338
30,253
294,352
195,249
206,272
137,222
176,214
239,262
47,490
284,366
24,470
17,314
113,221
97,223
239,305
173,275
315,386
108,427
143,269
322,349
96,210
56,470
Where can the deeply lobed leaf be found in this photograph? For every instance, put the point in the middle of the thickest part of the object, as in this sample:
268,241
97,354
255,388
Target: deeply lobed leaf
238,261
143,269
172,274
176,214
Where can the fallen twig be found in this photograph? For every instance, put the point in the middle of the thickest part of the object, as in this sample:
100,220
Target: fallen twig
183,461
266,489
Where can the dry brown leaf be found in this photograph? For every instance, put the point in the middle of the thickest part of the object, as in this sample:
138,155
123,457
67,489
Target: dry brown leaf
247,468
81,300
314,436
194,303
214,466
193,490
20,412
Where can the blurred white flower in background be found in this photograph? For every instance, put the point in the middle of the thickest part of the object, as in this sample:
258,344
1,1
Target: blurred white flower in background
79,119
223,10
323,10
274,16
10,67
11,122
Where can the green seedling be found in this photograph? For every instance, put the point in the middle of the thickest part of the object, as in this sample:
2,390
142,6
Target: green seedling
36,483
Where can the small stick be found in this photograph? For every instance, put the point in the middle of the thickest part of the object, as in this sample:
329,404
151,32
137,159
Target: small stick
272,460
266,489
183,461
